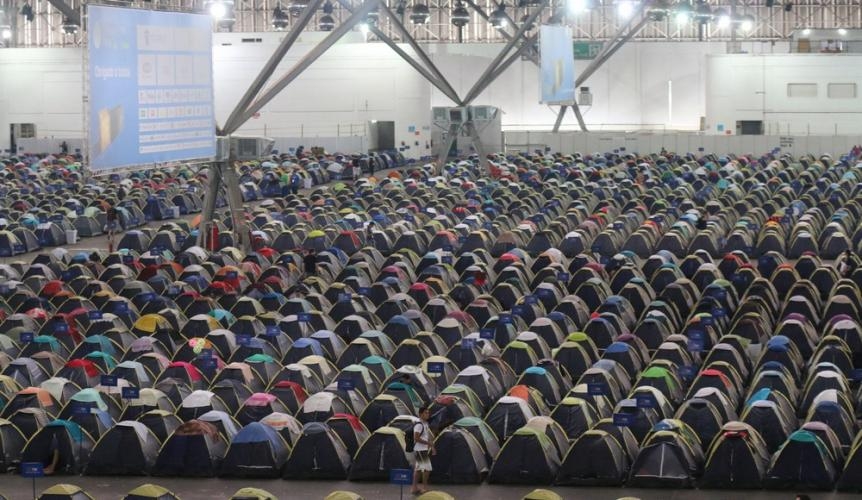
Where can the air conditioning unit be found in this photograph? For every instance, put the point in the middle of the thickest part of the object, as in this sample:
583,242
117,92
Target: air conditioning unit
457,115
585,97
24,130
244,148
482,113
440,115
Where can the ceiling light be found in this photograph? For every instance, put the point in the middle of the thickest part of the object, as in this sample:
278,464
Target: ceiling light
806,31
460,17
578,6
702,13
420,14
218,9
295,7
746,23
683,13
723,18
363,27
498,17
326,23
280,21
6,32
69,27
625,9
842,31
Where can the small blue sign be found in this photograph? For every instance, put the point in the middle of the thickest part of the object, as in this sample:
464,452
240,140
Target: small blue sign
174,290
530,299
505,319
696,345
486,333
687,372
623,419
435,367
94,315
564,277
131,393
206,353
446,248
231,275
272,331
121,307
719,312
365,290
597,389
409,217
404,477
488,226
209,363
646,401
61,327
856,374
544,293
304,317
468,343
519,310
344,297
36,469
80,410
243,340
26,337
707,320
156,251
462,239
447,259
108,380
148,296
345,384
696,335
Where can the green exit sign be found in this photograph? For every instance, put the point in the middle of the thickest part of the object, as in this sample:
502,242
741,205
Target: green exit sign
587,50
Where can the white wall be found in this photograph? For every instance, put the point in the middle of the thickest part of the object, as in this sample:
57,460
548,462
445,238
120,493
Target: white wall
681,143
41,86
754,87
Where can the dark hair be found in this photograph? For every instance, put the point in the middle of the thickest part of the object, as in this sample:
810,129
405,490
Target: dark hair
802,497
423,409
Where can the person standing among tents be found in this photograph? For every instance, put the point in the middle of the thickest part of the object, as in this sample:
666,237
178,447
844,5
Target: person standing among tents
309,262
111,226
423,448
848,265
369,233
295,181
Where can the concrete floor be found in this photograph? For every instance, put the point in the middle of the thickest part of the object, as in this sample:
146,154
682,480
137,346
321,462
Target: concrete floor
17,488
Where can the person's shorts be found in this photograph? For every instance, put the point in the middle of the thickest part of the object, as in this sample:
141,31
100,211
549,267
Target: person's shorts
112,226
423,460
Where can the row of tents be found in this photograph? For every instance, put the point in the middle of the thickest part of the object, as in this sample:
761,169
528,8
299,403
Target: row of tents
669,371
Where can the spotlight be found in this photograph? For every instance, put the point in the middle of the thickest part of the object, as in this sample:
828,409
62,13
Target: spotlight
722,18
498,17
842,31
400,8
295,7
806,31
659,10
420,14
578,6
746,23
625,9
702,13
6,32
363,28
372,17
280,20
69,27
217,9
326,23
683,13
460,17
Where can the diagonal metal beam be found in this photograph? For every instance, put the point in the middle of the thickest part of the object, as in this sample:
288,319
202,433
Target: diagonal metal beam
423,56
617,42
68,12
508,62
273,62
484,15
303,64
425,71
481,82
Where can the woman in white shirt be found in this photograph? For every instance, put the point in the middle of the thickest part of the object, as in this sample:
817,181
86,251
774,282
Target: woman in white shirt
423,448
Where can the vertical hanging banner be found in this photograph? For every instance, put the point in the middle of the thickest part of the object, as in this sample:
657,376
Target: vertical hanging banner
558,64
151,87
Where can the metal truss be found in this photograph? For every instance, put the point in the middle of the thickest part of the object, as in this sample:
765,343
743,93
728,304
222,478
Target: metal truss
599,23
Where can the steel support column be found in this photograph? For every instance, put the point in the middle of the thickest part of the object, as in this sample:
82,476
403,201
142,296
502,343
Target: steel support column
607,52
306,61
429,72
429,64
274,60
481,83
68,12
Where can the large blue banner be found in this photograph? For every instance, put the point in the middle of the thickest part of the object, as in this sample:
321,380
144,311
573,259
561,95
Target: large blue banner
558,64
151,87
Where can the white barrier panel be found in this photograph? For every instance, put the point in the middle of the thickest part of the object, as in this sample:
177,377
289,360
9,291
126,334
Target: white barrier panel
349,144
46,145
587,143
